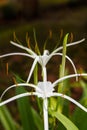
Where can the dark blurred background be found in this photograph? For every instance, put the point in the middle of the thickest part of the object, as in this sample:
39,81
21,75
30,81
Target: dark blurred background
12,9
21,9
21,16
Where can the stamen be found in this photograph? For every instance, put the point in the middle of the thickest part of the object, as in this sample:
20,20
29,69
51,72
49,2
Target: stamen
71,37
14,80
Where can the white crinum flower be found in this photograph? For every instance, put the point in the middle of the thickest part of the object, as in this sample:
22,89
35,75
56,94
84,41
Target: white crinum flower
41,59
43,90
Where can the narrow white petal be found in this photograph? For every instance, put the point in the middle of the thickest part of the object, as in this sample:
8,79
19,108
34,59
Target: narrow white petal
17,85
17,97
70,99
68,77
24,48
69,44
32,69
70,62
16,53
43,60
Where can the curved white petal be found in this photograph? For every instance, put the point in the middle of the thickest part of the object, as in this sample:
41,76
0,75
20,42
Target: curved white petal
24,48
17,85
69,61
32,69
69,44
68,77
70,99
16,53
17,97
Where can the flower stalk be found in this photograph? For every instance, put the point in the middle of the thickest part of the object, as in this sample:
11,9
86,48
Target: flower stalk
45,101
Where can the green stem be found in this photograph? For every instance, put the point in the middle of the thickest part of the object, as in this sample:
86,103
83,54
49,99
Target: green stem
36,74
35,82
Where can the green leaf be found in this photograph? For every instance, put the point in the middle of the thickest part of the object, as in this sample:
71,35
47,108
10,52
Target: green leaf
35,82
52,103
80,118
62,66
37,120
35,74
6,119
84,86
62,70
62,73
29,117
25,110
65,121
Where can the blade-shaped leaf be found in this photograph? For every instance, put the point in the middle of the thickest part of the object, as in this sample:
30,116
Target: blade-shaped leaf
79,116
62,73
62,68
65,121
80,119
29,117
6,119
25,111
37,120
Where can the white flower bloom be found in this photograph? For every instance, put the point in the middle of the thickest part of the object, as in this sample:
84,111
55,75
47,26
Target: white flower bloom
44,90
41,59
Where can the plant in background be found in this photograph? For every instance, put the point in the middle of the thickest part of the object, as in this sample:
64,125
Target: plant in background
45,89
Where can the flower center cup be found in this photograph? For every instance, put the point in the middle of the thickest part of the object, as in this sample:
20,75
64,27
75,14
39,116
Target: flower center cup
45,89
